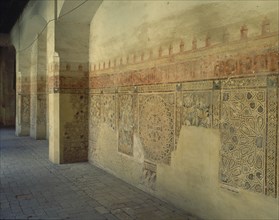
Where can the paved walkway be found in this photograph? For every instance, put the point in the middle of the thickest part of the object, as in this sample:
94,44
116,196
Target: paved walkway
34,188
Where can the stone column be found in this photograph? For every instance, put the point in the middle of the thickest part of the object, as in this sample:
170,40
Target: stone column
54,110
53,104
23,93
38,89
68,142
68,91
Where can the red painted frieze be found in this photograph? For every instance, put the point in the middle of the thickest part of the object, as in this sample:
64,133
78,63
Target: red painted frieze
246,56
202,69
70,82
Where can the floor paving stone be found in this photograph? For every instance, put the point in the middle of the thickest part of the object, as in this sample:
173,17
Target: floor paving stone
34,188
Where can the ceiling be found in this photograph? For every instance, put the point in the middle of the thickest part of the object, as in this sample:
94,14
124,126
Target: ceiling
10,10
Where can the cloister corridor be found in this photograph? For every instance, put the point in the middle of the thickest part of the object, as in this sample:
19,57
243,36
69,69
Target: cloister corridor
139,109
34,188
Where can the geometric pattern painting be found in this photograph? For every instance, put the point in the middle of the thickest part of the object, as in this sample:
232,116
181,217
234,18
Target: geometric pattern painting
25,109
94,120
95,110
243,138
126,124
272,142
108,110
197,109
193,108
244,110
156,126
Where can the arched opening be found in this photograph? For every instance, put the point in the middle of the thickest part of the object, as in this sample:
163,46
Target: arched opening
7,86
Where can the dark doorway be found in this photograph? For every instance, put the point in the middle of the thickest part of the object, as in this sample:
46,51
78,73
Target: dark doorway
7,86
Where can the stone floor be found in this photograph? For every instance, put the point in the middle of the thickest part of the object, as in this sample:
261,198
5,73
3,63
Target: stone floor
34,188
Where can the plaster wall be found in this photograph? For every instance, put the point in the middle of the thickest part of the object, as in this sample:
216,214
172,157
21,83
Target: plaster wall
33,20
72,44
184,158
127,28
192,181
182,109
